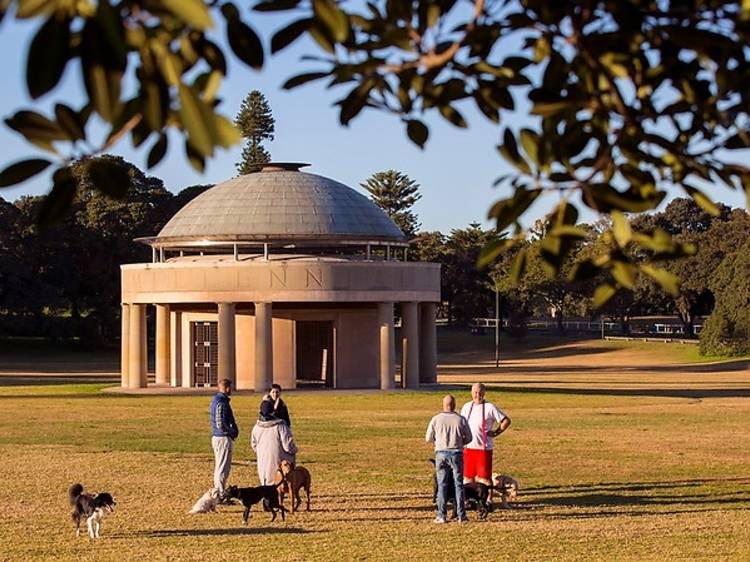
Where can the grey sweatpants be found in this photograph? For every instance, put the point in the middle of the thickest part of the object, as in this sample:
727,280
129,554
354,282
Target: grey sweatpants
222,461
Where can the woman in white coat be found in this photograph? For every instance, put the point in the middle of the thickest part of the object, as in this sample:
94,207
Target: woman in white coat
272,441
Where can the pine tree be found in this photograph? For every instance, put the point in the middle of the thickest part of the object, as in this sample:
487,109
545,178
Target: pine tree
256,124
395,193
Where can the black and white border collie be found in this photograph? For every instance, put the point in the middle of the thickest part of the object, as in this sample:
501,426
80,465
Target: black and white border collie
93,508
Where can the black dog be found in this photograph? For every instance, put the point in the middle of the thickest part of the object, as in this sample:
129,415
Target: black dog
94,508
475,494
251,496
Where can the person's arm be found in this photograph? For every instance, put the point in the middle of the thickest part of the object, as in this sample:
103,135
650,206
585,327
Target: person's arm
502,426
254,441
430,435
465,431
287,440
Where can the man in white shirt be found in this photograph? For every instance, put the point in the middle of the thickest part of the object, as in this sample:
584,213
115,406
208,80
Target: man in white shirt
486,422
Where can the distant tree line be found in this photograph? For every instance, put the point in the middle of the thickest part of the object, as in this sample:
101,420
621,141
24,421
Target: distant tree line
64,281
714,281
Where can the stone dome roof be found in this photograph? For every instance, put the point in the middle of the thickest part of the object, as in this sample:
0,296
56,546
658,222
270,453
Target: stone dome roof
279,204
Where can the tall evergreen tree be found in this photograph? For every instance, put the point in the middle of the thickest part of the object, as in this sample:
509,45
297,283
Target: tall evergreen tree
395,193
256,124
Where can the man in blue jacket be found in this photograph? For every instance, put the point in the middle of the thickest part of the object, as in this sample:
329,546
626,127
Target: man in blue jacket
224,431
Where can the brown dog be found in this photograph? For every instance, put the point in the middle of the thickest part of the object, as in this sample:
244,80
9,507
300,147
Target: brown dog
297,477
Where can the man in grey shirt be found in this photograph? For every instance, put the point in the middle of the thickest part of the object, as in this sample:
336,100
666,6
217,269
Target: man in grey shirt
450,432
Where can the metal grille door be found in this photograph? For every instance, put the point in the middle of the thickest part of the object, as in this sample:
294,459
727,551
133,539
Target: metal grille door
206,355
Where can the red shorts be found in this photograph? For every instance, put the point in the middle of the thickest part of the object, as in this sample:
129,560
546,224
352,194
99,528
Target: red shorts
478,466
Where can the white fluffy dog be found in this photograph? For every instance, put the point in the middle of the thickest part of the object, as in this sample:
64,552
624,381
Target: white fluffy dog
207,502
507,486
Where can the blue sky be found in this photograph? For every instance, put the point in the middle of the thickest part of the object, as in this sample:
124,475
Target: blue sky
456,170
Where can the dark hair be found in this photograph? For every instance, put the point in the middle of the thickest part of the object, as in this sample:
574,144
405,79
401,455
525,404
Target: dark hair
275,385
225,383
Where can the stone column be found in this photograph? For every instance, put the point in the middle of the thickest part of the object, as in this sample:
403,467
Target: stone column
227,351
124,345
427,343
387,348
175,347
263,346
162,338
409,345
137,373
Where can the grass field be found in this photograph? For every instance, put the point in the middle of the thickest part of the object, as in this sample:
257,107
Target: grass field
639,458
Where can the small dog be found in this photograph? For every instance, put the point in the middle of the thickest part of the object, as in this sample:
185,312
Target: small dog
94,508
207,502
251,496
507,486
475,494
298,477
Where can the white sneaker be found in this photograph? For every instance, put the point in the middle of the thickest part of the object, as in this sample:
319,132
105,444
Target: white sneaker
439,520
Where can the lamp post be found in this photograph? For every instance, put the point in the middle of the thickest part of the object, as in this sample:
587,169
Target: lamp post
497,326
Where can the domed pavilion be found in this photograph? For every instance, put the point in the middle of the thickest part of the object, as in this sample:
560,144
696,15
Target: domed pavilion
280,276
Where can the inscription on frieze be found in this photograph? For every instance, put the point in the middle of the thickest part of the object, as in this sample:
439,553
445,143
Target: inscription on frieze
277,279
314,278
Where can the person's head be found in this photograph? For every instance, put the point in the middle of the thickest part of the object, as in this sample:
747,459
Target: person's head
449,403
275,391
477,392
225,386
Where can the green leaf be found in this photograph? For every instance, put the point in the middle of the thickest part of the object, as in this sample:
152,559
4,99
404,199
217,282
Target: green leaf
157,152
624,273
109,176
33,8
506,211
548,109
355,101
69,122
518,267
276,5
245,43
334,20
227,134
300,79
289,34
509,151
530,143
103,88
47,56
702,200
21,171
35,126
568,231
417,132
452,115
197,118
192,12
492,249
659,241
59,199
195,158
602,294
583,271
621,229
668,281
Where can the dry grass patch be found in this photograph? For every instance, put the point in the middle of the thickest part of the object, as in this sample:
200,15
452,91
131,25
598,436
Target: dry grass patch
604,475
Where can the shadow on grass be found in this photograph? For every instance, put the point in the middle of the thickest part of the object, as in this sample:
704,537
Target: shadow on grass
693,393
226,532
28,380
505,368
638,486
